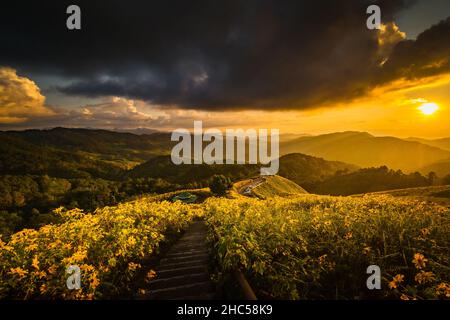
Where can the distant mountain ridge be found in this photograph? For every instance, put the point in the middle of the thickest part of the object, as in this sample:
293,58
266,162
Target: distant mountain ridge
63,152
124,144
366,150
302,169
442,143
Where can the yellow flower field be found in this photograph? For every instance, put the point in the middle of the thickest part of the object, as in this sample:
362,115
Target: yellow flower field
315,247
107,246
302,247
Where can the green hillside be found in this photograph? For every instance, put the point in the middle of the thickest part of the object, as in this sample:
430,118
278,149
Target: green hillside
108,143
308,171
18,156
163,167
302,169
277,186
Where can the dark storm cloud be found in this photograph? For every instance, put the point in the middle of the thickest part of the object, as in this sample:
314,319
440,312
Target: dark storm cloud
212,55
426,56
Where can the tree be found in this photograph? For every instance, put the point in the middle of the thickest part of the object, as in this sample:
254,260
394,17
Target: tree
220,184
446,179
432,177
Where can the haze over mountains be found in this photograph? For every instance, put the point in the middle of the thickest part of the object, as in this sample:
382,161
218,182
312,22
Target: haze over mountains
36,151
366,150
443,143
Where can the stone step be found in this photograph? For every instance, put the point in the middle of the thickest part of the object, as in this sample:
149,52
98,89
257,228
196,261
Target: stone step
179,280
206,296
194,234
189,246
195,289
192,263
174,253
181,271
192,238
183,258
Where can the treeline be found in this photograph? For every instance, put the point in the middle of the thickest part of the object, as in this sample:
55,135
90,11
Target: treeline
371,180
27,201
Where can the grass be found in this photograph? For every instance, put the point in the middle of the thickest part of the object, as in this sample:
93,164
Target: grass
277,186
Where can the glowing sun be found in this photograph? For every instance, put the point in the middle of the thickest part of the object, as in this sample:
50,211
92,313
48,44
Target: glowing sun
428,108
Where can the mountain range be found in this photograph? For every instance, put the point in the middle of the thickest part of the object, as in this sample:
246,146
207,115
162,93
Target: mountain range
69,153
366,150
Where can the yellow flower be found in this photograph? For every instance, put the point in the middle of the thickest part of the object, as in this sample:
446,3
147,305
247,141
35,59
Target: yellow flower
424,277
323,259
425,232
131,241
39,274
31,247
443,289
348,235
52,269
112,262
35,263
367,250
154,235
419,260
43,289
133,266
94,281
396,281
87,268
150,275
79,256
19,271
89,296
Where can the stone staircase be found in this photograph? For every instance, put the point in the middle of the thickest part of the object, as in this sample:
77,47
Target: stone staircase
183,271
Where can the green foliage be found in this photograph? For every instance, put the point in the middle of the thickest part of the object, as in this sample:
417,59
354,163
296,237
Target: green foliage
185,174
276,186
27,201
319,247
307,171
220,184
108,246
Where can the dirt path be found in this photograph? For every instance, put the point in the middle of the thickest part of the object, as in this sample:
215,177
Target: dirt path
246,190
183,272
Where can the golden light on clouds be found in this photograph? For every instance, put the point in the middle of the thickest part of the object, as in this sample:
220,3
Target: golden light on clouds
20,98
401,108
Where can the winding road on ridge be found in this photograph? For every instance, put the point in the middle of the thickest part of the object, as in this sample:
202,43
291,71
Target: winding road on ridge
246,190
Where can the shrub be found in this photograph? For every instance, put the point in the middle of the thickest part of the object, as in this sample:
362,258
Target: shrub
220,184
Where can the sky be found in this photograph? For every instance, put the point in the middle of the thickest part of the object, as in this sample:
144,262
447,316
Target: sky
298,66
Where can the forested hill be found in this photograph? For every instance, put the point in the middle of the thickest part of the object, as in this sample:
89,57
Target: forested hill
77,153
115,144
